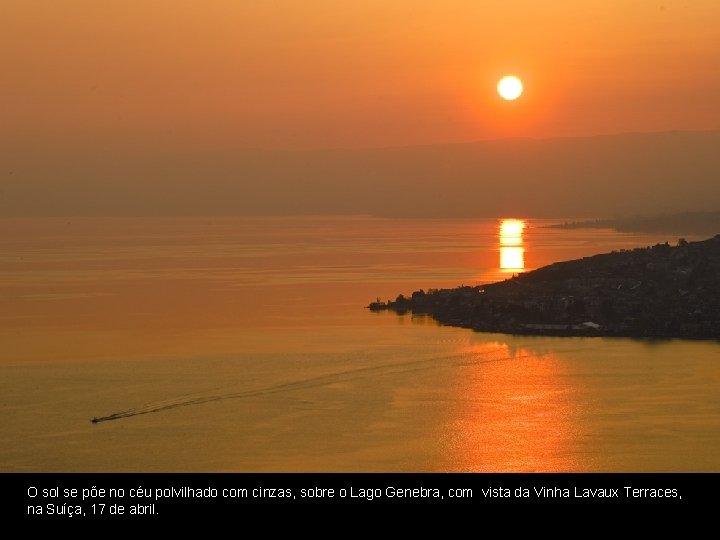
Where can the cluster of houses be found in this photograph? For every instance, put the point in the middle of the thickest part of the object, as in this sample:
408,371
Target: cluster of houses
659,291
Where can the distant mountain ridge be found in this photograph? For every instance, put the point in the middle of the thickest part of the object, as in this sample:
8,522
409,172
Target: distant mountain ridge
626,174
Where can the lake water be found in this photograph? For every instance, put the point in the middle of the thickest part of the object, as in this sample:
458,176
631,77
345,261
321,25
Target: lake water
242,344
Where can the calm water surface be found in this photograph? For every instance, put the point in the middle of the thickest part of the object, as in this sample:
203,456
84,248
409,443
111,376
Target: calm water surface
241,344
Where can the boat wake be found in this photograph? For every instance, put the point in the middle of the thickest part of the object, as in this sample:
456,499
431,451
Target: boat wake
460,359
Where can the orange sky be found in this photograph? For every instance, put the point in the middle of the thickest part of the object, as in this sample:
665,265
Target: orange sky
332,73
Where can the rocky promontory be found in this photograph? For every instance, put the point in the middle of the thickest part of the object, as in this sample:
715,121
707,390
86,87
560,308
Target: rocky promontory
660,291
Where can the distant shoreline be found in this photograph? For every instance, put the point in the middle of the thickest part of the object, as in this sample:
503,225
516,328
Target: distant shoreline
695,223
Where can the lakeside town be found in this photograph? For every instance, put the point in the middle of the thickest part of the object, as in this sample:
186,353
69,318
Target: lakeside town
661,291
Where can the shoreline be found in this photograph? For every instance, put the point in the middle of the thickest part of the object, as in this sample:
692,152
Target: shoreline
658,292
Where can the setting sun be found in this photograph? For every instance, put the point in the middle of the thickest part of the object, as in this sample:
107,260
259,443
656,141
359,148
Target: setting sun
510,87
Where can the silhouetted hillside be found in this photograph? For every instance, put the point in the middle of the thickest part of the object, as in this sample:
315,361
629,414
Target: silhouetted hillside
659,291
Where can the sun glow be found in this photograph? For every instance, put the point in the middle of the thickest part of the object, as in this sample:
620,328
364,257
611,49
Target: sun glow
512,252
512,258
511,232
510,87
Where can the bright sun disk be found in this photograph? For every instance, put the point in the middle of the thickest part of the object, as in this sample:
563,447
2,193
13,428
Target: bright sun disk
510,87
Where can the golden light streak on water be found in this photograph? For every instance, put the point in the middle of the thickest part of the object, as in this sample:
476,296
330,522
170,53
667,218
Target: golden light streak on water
512,250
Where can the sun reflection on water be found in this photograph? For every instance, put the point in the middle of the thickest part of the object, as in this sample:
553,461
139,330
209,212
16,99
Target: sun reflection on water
512,250
515,412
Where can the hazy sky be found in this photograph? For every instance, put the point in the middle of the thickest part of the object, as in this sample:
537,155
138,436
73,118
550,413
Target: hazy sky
157,107
222,74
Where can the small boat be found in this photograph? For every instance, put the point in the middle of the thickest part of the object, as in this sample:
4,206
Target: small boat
377,306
